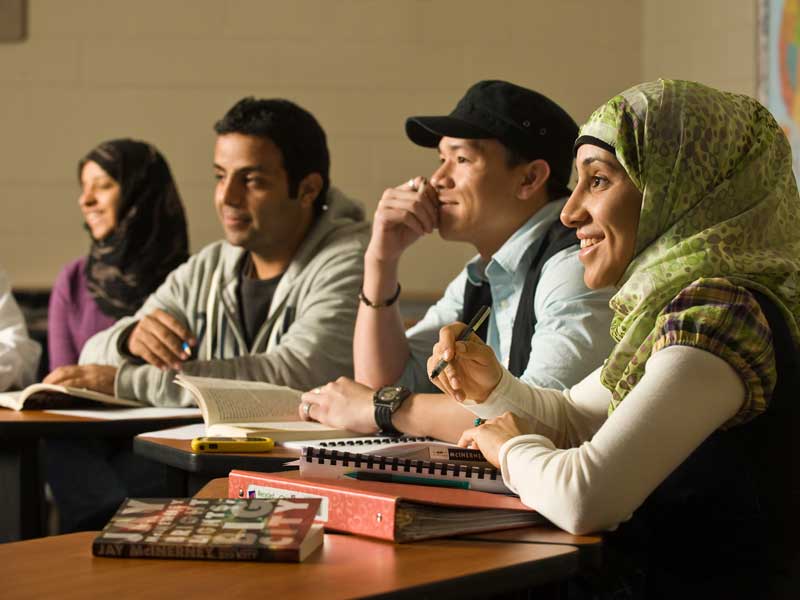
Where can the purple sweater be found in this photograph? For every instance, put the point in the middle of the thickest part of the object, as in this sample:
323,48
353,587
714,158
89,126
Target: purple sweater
73,316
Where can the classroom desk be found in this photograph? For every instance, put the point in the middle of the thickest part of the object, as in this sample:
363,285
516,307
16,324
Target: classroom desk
21,483
197,468
590,547
346,567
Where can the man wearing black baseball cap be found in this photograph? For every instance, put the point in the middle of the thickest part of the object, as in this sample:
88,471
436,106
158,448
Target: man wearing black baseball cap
506,159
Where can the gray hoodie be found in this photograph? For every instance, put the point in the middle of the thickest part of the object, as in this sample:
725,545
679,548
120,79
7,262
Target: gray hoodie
306,340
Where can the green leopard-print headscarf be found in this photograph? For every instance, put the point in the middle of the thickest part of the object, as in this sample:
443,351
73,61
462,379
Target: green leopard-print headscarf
719,199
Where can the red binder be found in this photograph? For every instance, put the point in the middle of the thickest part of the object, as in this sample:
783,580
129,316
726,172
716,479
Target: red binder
390,511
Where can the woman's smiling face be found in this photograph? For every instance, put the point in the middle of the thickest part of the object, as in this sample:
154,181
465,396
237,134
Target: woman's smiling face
604,208
99,200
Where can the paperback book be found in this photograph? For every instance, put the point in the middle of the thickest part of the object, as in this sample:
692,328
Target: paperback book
212,529
41,396
235,408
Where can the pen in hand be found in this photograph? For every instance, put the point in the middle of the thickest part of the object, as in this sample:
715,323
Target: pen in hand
474,324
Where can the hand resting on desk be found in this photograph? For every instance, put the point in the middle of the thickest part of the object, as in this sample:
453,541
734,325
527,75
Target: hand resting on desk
491,435
342,403
99,378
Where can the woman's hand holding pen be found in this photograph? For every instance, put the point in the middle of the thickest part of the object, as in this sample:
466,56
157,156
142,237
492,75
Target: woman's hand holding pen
404,214
472,371
161,340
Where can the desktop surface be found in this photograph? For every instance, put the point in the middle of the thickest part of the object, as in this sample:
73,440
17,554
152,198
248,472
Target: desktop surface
345,567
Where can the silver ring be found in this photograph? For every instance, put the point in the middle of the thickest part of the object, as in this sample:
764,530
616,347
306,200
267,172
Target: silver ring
411,185
307,410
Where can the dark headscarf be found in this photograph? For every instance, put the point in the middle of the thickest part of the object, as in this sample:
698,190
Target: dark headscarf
150,238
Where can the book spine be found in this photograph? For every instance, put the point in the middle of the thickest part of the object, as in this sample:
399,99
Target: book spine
342,509
191,552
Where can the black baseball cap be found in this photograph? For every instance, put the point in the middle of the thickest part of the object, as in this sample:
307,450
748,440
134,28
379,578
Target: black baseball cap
525,121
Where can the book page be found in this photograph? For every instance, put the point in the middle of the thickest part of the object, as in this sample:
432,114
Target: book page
279,431
11,400
186,432
233,401
39,396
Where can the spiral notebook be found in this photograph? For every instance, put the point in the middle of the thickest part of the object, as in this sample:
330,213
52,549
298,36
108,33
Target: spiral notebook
417,461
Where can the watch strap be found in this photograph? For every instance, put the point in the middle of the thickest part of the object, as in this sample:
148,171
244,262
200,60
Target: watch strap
383,417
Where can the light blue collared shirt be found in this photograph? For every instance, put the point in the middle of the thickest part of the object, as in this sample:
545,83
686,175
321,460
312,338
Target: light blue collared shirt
572,336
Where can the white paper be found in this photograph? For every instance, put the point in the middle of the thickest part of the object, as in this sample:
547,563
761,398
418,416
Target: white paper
121,414
187,432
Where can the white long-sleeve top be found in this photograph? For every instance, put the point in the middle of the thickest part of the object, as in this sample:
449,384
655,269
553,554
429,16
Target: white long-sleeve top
19,355
587,471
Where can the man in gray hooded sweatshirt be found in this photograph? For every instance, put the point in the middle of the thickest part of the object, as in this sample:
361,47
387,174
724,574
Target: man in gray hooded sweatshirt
275,301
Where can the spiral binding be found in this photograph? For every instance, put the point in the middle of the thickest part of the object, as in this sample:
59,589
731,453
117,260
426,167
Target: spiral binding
371,441
397,464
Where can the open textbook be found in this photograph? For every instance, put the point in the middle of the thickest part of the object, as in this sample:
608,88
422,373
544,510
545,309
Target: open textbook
233,408
40,396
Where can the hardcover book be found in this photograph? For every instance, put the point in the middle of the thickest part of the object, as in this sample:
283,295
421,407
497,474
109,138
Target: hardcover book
390,511
212,529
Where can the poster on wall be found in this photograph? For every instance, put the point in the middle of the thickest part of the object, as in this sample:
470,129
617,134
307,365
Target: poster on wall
779,67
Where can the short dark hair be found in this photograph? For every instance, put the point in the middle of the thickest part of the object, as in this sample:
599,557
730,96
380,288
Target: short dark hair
555,190
294,130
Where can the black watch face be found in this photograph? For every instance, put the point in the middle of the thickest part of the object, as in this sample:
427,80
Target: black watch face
391,396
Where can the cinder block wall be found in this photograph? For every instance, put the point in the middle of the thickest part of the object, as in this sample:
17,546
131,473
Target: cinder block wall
165,70
711,41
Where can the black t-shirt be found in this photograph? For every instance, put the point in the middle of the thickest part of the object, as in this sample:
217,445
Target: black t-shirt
255,298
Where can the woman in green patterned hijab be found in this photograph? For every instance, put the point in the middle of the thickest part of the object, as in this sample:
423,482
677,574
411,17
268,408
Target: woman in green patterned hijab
686,202
719,199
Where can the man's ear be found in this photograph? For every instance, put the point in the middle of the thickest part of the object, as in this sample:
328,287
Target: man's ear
534,179
309,188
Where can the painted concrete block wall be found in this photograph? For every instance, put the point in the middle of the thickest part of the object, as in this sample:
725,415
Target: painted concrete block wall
165,70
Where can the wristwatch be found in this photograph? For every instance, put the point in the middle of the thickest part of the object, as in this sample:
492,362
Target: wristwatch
387,400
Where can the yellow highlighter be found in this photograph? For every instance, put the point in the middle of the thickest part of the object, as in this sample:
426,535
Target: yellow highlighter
232,444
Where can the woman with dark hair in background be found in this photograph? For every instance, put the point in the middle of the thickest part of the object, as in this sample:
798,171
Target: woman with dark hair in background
137,225
136,221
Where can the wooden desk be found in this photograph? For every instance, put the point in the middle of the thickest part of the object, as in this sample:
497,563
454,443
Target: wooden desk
216,488
590,547
197,468
21,482
345,567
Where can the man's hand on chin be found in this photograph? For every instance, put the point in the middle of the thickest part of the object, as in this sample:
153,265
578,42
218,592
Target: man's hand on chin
99,378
